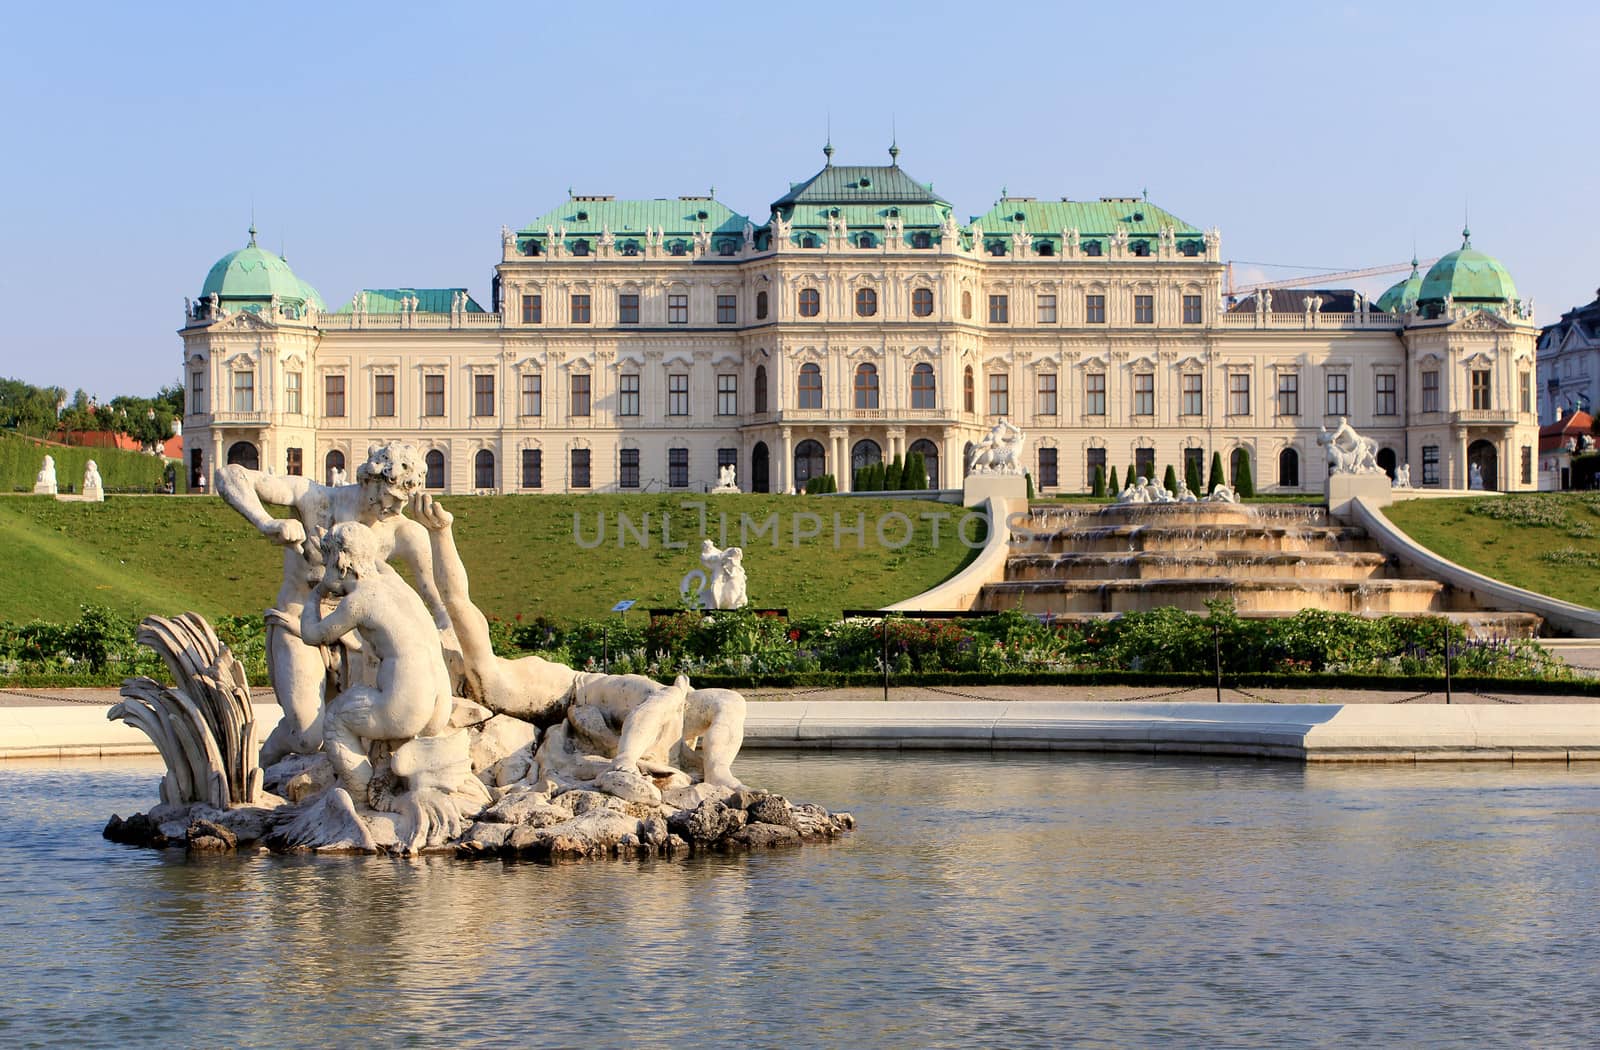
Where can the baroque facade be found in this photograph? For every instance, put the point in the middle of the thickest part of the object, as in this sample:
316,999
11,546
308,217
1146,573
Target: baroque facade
639,345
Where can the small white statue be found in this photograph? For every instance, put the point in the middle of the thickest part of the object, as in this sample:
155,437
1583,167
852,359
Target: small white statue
1223,493
1184,495
44,483
1402,476
726,482
1349,452
337,477
721,585
1001,451
1475,477
94,490
1159,494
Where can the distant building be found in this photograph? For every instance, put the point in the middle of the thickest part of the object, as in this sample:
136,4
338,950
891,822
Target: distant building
1569,363
635,345
1570,434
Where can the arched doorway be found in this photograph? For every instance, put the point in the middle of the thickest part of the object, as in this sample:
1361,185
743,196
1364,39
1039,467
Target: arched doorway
333,462
1386,460
244,454
865,453
1481,454
930,459
197,470
810,461
759,470
1288,469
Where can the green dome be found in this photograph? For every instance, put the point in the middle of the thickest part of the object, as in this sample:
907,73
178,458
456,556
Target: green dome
1401,298
253,273
1466,275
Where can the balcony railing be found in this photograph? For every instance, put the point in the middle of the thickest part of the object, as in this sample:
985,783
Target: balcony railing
1493,417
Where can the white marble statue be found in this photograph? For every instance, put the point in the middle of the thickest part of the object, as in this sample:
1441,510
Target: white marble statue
1136,491
94,489
1348,451
1001,452
44,483
1223,493
727,482
721,585
337,477
1402,476
1475,477
1184,495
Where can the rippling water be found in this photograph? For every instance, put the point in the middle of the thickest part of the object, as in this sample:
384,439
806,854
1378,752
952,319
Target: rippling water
1013,901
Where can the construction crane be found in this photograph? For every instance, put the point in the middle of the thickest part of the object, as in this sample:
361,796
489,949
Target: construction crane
1317,279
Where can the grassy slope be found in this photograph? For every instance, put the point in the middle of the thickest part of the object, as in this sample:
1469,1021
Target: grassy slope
121,470
161,554
1511,550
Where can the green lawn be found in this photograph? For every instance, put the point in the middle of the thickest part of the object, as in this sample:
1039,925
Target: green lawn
1546,542
149,554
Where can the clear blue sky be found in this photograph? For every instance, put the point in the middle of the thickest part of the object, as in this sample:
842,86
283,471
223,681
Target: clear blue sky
385,145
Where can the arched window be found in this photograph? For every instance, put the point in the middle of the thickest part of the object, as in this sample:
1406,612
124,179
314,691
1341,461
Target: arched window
435,461
726,247
810,302
922,302
1141,248
966,306
808,240
1240,463
333,461
245,455
1386,460
866,302
760,468
809,462
866,240
969,391
483,469
679,248
1045,248
921,239
761,388
1289,469
580,247
997,247
866,386
761,306
809,388
865,453
930,459
1091,248
922,389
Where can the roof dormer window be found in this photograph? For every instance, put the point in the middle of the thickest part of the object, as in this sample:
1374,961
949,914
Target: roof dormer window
580,247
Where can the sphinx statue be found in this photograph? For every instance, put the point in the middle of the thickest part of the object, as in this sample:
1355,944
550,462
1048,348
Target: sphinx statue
44,483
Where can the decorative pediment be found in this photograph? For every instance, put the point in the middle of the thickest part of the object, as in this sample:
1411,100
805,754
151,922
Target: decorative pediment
630,357
1143,361
1099,360
1482,321
1478,360
727,357
675,357
241,357
243,321
1191,361
863,351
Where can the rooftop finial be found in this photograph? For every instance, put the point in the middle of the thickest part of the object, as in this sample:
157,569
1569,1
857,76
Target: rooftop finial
252,232
827,144
1466,227
894,143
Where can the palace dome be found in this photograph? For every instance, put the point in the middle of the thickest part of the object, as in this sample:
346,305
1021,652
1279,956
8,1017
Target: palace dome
1468,276
1401,298
254,274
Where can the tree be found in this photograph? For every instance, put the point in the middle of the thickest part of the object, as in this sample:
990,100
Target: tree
1216,473
29,409
1116,488
1243,484
1029,479
1100,482
1191,474
893,474
1169,480
1132,475
915,476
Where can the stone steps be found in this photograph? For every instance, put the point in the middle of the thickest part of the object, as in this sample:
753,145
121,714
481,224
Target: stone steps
1150,565
1250,596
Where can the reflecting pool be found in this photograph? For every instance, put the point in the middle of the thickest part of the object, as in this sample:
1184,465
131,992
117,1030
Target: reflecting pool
984,901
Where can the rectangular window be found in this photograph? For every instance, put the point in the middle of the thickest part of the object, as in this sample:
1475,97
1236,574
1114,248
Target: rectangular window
1047,393
293,462
999,394
1193,394
1338,395
1094,394
727,309
1239,394
1430,464
727,394
678,468
533,394
1047,468
291,393
727,457
629,465
333,396
244,391
433,394
383,394
1144,393
1191,310
580,308
1480,389
1288,393
628,395
678,308
483,395
1194,461
1527,464
1047,309
532,468
999,309
1095,463
1430,391
1144,309
1525,394
197,392
533,309
580,467
677,395
1385,395
580,395
1144,462
628,308
1094,309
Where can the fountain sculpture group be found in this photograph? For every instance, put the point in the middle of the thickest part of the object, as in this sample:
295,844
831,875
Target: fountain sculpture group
402,730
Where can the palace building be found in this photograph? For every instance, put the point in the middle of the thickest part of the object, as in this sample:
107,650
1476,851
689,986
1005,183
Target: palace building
639,345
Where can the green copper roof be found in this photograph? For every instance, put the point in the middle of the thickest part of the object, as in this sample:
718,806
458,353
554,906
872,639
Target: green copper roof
1401,298
255,273
860,184
588,216
429,300
1467,275
1090,218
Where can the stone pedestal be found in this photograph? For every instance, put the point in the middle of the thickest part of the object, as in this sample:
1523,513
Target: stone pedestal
999,487
1344,488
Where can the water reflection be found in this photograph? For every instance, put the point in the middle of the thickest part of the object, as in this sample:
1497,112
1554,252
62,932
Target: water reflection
985,901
